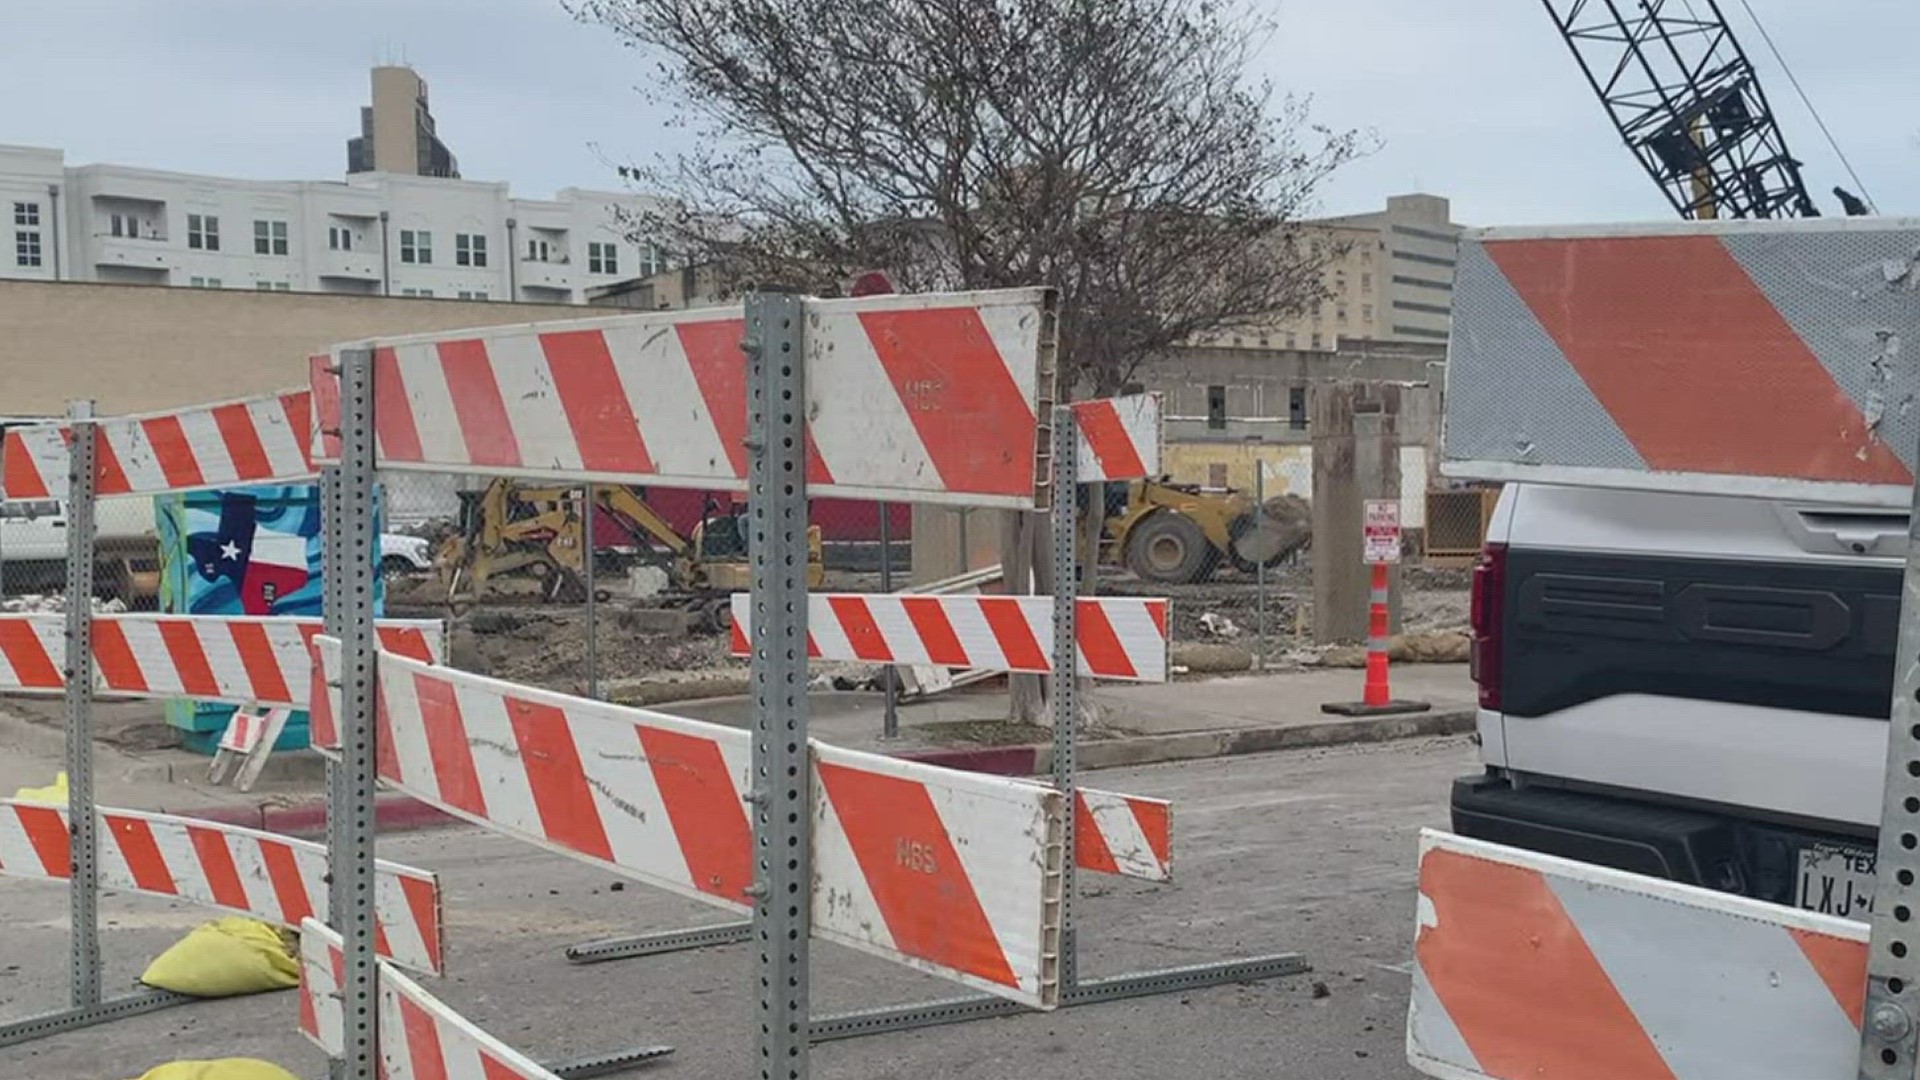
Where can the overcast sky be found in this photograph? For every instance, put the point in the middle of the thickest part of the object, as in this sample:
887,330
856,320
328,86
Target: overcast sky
1474,99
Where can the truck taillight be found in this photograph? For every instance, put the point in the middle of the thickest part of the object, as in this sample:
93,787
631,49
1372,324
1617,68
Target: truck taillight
1489,586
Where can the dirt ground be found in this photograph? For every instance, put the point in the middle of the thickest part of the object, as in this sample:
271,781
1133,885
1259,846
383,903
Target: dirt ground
546,644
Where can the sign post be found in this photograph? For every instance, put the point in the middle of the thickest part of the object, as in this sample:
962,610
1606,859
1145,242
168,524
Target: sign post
1380,549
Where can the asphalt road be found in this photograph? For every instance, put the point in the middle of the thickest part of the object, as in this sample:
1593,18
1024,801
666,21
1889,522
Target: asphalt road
1310,851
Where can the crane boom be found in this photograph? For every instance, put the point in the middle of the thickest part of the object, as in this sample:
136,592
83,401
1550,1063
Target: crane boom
1687,102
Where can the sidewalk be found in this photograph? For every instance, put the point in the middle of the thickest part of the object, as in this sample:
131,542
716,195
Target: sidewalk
1140,724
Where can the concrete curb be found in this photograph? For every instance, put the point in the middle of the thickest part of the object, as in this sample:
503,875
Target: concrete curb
402,813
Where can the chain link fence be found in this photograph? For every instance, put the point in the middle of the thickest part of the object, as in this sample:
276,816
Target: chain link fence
645,620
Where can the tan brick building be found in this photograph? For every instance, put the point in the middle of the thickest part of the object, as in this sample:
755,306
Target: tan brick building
135,348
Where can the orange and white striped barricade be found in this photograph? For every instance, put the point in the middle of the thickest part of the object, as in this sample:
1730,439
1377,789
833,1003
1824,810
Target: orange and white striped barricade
275,878
923,398
239,659
245,746
1119,637
954,873
1581,355
1119,438
1531,967
258,440
419,1036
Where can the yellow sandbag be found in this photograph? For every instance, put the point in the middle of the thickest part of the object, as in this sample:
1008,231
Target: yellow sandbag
226,958
55,792
224,1069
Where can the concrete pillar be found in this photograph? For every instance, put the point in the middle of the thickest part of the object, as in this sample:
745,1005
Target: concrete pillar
1356,457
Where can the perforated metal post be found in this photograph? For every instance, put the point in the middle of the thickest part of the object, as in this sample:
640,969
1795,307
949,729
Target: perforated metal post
84,885
593,602
1066,663
350,830
1890,1033
889,674
777,550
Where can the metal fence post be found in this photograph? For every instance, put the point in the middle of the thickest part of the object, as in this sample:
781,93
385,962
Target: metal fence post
593,603
351,814
1890,1033
1066,663
777,549
890,676
84,885
1259,565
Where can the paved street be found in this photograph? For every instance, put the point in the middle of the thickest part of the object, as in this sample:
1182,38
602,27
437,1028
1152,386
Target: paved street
1306,850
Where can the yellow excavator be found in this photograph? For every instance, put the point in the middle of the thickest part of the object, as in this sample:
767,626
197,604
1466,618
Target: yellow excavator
1181,534
535,534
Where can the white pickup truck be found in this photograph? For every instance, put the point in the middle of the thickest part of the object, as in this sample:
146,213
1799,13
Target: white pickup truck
1688,686
1686,612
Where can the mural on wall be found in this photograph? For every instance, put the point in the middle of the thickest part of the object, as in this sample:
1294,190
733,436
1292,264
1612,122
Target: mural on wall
242,551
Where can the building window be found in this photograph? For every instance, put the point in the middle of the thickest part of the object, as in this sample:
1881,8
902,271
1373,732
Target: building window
473,294
1366,282
653,259
539,251
269,237
1340,316
26,215
205,282
1216,408
602,258
339,238
1366,313
416,246
1217,474
469,249
26,247
1293,341
203,232
125,225
1297,407
1316,339
273,286
426,293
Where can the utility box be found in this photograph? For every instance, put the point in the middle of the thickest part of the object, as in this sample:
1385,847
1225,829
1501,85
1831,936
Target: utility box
241,551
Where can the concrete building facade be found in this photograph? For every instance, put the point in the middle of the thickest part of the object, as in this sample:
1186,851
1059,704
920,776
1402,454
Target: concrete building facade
397,133
373,234
1389,277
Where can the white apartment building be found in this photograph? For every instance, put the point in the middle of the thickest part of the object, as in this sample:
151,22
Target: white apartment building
372,233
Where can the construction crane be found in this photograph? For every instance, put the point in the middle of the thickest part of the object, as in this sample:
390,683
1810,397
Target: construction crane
1689,104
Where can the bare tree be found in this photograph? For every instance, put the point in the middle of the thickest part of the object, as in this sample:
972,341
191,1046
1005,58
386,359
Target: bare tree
1116,150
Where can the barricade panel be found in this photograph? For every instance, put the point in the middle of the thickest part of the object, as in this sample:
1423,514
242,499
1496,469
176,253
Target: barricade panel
1529,966
929,398
1119,637
276,878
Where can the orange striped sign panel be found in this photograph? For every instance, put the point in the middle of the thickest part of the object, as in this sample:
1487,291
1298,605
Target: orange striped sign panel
1120,637
1529,967
1119,438
271,877
245,660
950,872
920,398
258,440
417,1036
1746,357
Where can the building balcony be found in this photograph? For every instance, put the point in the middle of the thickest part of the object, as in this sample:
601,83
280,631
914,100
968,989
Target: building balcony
351,265
547,274
146,253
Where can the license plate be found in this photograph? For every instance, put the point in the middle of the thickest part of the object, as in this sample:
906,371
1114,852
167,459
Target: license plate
1837,880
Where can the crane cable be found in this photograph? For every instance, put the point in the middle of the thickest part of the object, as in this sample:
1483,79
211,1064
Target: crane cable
1858,184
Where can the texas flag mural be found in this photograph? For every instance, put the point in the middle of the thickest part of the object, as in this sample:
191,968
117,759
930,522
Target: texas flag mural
263,566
